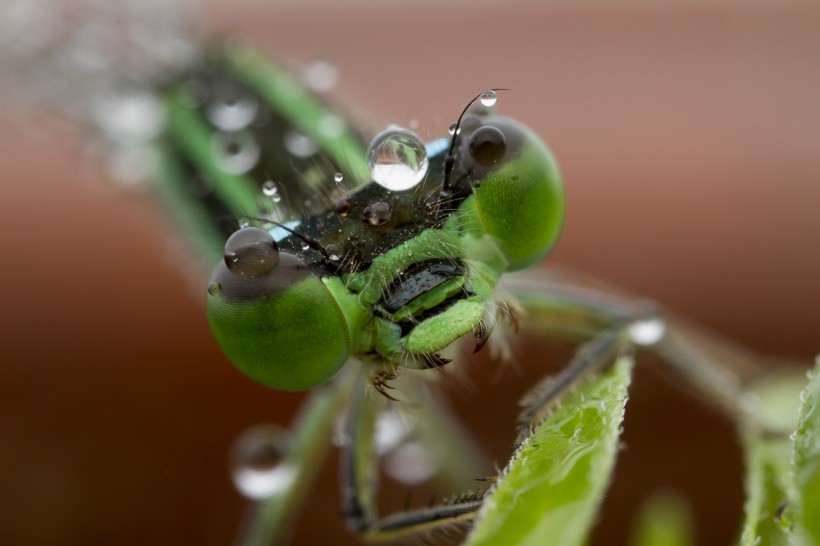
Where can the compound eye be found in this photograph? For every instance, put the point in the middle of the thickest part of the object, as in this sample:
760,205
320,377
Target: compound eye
488,145
251,253
267,310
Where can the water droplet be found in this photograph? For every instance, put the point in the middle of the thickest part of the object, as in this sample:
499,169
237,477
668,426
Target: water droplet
488,98
258,465
305,246
332,125
334,252
397,159
133,166
243,224
392,429
647,330
343,207
131,117
378,213
269,188
251,252
300,145
235,153
320,76
214,288
231,109
338,177
410,464
452,128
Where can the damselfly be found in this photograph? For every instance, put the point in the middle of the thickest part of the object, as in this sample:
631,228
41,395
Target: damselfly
348,179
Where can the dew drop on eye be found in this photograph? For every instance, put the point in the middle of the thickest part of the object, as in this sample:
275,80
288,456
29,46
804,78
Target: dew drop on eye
251,253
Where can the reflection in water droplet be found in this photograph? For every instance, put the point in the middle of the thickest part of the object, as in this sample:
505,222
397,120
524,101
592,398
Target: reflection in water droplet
378,213
397,159
251,252
648,330
214,288
305,246
235,153
338,177
257,462
300,145
320,76
231,110
452,128
488,98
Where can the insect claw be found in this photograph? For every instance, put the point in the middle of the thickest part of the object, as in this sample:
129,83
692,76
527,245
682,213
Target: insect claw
380,383
436,361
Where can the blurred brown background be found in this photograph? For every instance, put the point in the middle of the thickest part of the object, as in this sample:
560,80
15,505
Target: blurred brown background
688,134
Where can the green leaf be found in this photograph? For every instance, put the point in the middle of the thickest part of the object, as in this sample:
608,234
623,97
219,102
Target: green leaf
807,456
771,498
551,489
664,520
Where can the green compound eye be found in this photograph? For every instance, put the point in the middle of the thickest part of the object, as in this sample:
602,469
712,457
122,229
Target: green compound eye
274,319
517,187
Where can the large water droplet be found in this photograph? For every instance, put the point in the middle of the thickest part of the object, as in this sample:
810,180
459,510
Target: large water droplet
258,465
488,97
397,159
300,145
235,153
231,109
320,76
378,213
647,330
251,252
